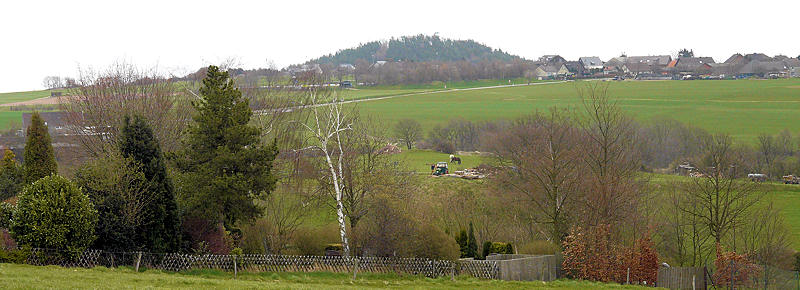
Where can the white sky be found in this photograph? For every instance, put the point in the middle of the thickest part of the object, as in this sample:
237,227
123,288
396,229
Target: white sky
40,38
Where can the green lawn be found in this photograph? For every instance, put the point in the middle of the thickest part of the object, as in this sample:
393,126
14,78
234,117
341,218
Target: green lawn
6,98
743,108
50,277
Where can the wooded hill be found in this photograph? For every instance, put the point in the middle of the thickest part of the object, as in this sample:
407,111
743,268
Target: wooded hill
418,48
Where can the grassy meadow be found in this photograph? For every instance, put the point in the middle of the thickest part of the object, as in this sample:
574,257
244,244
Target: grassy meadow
743,108
50,277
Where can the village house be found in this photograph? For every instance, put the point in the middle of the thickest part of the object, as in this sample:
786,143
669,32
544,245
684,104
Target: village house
691,65
545,72
576,68
591,63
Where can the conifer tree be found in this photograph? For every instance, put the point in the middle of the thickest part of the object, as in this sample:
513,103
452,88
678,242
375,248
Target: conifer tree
472,244
224,167
40,161
160,231
10,176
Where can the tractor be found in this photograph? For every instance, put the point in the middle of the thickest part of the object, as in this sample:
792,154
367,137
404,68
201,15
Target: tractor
440,169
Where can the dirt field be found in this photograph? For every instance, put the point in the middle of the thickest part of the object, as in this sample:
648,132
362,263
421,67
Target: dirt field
39,101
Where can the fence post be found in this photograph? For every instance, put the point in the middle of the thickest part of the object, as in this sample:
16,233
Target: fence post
355,267
453,272
138,260
693,281
234,266
730,269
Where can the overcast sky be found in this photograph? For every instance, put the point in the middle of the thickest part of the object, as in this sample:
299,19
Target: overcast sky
40,38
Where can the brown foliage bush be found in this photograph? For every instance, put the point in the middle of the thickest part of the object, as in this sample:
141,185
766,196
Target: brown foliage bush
592,254
733,267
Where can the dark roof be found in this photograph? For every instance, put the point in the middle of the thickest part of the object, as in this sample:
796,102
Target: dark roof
575,67
691,63
758,57
550,68
757,67
735,58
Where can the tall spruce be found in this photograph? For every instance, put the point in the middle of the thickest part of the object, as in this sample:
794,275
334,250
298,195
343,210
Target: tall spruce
160,231
224,168
40,161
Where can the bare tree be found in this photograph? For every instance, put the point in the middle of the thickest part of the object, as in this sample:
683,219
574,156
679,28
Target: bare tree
52,82
613,192
408,131
95,110
719,199
541,158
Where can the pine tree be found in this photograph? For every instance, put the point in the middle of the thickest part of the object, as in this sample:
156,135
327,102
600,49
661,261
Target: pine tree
472,244
224,168
40,161
10,176
160,231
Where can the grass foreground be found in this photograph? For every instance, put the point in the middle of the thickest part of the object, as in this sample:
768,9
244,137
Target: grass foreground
14,276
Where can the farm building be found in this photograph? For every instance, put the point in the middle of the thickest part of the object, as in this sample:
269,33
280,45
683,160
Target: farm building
56,122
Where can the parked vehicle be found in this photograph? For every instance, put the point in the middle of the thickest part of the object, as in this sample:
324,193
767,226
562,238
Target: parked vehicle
791,179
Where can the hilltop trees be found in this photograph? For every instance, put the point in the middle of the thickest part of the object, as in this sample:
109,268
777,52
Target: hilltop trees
223,166
40,160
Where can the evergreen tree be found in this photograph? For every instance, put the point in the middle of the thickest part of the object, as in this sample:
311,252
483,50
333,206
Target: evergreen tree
224,168
10,176
472,244
462,241
160,231
40,161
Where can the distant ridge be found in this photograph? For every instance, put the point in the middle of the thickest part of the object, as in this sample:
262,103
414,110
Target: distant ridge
419,48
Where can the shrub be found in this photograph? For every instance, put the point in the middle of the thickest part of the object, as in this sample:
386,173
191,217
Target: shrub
16,256
743,269
53,213
431,242
6,211
497,248
593,255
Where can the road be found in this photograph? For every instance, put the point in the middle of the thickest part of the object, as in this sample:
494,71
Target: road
263,112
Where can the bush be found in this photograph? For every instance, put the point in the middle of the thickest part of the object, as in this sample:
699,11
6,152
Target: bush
743,269
431,242
593,255
497,248
16,256
53,213
6,211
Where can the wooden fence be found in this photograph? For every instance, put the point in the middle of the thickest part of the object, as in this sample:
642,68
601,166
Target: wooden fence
682,278
268,263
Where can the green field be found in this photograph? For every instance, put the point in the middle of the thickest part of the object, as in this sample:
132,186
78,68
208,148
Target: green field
14,97
51,277
743,108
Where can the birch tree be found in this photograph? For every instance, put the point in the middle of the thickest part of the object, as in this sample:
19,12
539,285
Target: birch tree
328,125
